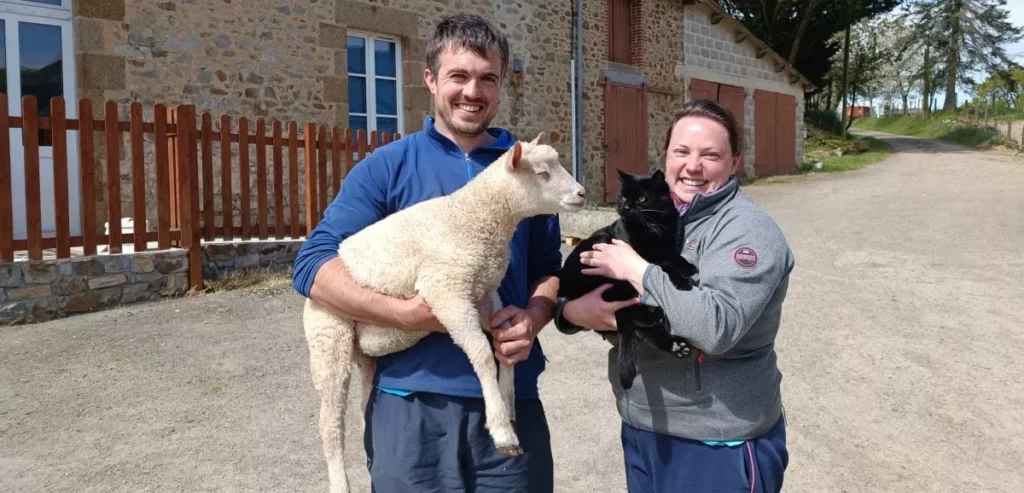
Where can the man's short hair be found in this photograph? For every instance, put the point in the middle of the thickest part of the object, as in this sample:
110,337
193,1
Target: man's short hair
466,31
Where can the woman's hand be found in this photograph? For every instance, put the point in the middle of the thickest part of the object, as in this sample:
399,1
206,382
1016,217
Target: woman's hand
593,312
617,260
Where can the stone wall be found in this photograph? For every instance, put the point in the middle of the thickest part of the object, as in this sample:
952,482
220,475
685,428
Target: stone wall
712,53
286,60
274,255
658,33
35,291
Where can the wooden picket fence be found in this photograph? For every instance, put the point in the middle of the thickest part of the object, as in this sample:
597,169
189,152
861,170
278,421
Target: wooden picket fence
183,146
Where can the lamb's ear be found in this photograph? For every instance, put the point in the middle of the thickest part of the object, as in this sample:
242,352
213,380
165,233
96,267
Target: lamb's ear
539,139
517,155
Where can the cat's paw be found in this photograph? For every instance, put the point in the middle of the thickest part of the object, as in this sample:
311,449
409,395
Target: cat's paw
680,348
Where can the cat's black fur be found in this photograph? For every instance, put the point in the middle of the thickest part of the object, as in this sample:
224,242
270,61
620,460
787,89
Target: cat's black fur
649,223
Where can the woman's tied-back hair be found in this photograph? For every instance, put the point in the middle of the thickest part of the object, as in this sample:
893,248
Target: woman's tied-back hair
705,108
466,31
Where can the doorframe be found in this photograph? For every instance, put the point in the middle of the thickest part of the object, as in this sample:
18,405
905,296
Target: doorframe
14,12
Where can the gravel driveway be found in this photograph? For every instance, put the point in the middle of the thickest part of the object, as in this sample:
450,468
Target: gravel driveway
900,352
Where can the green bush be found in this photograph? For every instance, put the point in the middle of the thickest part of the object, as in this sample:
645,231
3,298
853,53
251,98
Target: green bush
826,120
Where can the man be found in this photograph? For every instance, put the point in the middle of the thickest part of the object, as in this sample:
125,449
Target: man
425,418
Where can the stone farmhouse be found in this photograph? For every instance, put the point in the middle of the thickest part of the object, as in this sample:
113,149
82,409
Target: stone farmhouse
360,63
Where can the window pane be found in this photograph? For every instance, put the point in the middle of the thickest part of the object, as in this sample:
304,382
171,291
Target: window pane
3,57
384,58
387,125
42,67
356,55
387,97
46,2
357,94
42,64
356,122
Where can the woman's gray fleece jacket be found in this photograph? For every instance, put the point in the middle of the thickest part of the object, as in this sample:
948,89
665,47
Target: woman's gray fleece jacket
732,390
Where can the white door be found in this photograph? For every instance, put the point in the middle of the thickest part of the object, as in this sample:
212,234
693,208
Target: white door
37,57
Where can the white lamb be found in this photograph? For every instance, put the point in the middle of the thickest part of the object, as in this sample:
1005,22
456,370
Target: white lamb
453,251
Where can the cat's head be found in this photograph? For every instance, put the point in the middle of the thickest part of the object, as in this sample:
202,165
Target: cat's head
644,195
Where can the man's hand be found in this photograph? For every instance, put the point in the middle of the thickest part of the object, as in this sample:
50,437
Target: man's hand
514,343
591,311
419,317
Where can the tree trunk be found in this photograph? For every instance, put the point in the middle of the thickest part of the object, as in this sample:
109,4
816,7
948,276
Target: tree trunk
951,70
926,91
804,24
905,106
846,76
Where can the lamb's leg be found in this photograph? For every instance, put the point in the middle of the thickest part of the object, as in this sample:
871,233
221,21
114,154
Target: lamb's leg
331,343
367,368
462,319
506,374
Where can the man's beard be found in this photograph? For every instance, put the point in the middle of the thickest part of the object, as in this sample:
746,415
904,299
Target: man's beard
462,128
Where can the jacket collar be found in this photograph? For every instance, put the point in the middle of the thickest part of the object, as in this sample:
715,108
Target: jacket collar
706,205
503,140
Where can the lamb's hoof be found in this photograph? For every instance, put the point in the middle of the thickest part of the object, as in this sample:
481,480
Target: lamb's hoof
507,443
511,451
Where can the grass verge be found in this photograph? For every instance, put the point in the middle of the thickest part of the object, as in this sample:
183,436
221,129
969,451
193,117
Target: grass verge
943,127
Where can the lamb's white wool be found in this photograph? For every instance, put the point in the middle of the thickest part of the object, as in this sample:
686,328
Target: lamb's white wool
453,251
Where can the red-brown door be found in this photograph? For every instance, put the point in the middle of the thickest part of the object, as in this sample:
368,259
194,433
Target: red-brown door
734,98
765,162
785,134
702,89
625,134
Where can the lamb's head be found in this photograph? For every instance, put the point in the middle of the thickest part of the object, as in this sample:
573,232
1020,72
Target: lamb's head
536,182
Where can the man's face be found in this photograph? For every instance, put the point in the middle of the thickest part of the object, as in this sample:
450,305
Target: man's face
466,89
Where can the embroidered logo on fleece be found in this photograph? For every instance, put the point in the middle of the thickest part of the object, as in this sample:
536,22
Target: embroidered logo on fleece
690,245
746,257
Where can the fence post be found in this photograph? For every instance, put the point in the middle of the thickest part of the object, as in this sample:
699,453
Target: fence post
187,193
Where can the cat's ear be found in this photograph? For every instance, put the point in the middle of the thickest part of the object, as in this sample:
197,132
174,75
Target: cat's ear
658,175
516,159
623,176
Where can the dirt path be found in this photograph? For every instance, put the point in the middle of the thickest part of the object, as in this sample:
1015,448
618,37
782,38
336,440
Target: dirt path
900,352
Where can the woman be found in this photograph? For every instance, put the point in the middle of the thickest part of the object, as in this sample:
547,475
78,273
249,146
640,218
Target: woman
713,422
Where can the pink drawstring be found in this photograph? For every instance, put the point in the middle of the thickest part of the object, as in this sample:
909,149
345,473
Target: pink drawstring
753,473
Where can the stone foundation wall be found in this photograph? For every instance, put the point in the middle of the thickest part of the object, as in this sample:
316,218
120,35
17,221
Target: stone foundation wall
274,255
36,291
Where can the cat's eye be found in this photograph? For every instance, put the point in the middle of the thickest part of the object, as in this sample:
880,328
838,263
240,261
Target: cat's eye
641,199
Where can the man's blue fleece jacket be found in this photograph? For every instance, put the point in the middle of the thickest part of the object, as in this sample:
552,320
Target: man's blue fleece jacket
417,167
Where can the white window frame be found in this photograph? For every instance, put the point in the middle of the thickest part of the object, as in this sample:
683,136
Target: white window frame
33,9
371,77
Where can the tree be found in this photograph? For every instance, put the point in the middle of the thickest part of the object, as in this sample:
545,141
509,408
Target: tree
786,26
964,36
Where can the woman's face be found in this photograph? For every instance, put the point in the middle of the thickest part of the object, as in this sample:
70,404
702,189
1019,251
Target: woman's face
699,159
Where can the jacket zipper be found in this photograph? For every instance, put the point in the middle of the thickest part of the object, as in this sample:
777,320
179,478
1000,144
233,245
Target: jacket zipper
696,368
469,169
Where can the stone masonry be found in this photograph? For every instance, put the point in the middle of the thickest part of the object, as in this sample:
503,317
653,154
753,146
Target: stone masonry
220,258
287,60
35,291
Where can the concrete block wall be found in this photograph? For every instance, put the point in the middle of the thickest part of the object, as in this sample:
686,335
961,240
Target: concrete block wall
712,53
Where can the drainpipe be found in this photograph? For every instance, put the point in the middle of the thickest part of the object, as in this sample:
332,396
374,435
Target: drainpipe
577,90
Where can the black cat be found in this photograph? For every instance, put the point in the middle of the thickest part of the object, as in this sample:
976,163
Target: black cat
649,223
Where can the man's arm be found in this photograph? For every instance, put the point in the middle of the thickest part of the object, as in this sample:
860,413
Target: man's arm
544,258
335,288
321,275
